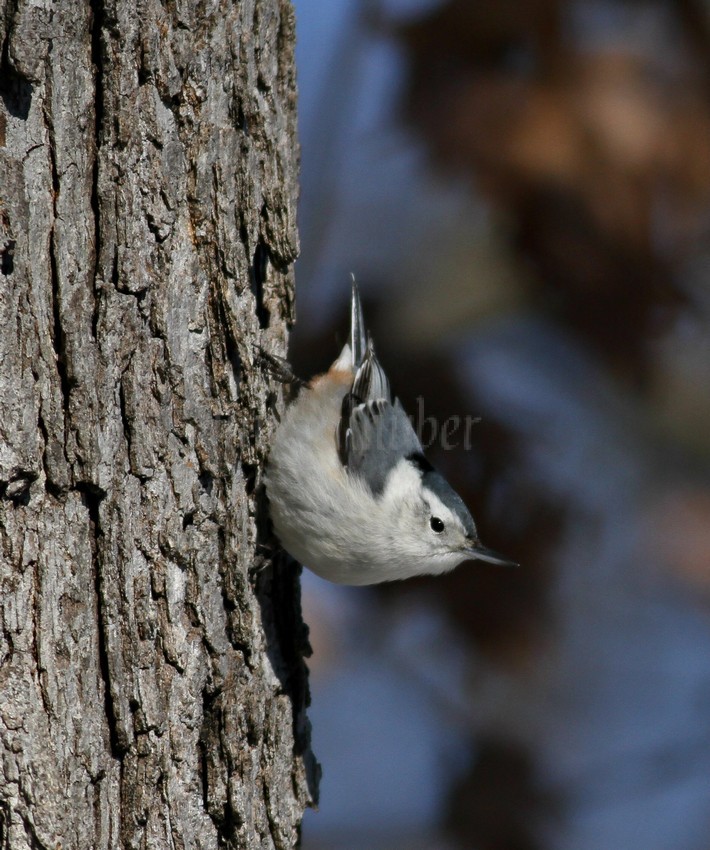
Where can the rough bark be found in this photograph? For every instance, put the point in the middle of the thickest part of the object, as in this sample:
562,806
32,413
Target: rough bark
152,683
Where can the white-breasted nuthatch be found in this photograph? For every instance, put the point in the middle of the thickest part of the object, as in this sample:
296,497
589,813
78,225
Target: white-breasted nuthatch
351,494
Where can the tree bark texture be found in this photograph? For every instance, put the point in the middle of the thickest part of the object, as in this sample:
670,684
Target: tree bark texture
152,683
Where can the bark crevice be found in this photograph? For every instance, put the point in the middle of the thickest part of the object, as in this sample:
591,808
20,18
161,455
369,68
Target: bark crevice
15,89
58,344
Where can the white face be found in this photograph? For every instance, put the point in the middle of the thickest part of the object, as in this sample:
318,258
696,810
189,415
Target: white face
443,531
429,532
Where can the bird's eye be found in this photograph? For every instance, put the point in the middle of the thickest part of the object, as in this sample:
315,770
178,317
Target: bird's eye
436,524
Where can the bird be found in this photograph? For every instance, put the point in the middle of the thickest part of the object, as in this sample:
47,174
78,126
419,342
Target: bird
351,493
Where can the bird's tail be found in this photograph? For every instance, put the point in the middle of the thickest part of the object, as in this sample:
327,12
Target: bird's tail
358,337
370,380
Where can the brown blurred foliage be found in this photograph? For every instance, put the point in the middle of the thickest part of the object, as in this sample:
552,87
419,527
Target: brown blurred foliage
599,158
679,529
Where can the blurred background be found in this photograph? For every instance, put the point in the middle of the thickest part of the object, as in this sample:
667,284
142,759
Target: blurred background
523,191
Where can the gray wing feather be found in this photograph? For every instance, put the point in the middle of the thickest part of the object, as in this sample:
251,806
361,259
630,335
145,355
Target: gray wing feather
380,435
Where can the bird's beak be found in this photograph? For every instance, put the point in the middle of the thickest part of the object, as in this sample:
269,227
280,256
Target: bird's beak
480,553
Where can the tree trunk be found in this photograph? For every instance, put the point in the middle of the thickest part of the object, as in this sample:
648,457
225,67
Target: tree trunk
152,683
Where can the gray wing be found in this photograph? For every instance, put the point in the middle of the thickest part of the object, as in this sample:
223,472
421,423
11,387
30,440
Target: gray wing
374,432
378,437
